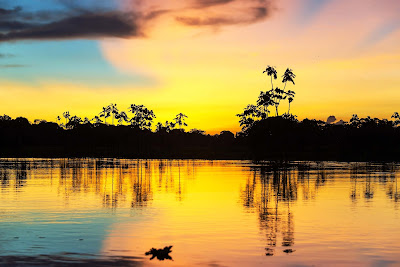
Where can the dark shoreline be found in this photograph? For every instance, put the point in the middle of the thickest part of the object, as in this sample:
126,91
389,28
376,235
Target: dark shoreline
274,139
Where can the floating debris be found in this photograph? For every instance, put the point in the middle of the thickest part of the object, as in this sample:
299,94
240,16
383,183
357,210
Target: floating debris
161,254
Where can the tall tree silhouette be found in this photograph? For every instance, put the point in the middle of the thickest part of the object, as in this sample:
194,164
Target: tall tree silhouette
142,116
278,95
288,76
180,120
271,71
290,94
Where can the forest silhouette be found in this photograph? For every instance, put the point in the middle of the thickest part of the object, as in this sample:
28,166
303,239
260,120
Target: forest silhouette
133,134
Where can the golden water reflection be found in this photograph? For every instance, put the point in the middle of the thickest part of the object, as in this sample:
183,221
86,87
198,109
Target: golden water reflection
228,213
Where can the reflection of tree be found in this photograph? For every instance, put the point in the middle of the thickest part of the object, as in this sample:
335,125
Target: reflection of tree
270,192
369,190
4,178
21,169
354,173
369,176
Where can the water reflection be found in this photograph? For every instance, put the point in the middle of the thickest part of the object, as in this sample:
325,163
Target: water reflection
270,192
206,209
271,189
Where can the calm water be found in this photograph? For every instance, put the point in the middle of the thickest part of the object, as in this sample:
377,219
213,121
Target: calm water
213,213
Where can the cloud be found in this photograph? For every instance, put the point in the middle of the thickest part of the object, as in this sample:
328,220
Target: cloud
208,3
4,11
331,119
252,15
6,66
89,21
82,26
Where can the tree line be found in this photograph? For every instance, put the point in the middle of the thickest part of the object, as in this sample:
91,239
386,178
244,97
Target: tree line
116,133
141,118
285,137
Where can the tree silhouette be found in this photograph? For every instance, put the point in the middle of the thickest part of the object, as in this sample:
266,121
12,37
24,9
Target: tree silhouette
86,120
66,116
271,71
180,120
122,117
265,99
166,127
142,116
5,118
58,119
278,95
105,113
290,94
74,121
355,121
288,76
250,115
114,111
96,120
396,116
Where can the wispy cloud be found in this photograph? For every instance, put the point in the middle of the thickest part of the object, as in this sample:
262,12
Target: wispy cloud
85,21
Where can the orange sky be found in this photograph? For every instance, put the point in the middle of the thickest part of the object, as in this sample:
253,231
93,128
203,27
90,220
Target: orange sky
345,55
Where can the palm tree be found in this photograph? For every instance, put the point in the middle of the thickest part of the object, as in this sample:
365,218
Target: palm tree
271,71
180,120
278,95
290,94
288,76
66,116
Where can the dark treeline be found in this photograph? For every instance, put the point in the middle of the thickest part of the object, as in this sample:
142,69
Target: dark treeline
83,138
263,137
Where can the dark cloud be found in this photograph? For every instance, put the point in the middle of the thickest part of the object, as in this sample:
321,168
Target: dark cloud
4,11
252,15
208,3
83,21
331,119
115,24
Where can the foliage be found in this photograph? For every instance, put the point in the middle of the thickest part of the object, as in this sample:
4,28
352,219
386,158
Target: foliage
269,98
142,116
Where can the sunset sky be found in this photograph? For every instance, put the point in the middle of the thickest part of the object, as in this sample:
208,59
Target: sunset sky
201,57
